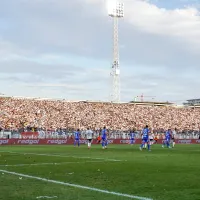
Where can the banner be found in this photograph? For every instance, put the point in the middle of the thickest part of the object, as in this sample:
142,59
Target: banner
82,141
26,135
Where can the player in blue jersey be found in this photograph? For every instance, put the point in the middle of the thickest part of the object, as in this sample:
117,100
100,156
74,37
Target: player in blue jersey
167,138
104,141
77,135
145,138
132,137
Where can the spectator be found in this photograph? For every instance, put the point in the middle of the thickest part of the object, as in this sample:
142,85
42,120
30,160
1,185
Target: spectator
33,115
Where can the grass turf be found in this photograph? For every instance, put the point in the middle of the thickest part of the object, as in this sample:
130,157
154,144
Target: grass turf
162,174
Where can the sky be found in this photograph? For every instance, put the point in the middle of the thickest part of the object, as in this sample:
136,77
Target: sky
64,49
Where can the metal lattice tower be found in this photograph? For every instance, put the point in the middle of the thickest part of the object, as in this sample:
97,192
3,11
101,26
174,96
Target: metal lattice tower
116,11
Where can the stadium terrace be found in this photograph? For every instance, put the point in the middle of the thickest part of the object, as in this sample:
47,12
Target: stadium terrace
26,113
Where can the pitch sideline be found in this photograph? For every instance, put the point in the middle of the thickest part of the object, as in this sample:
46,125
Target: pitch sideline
76,186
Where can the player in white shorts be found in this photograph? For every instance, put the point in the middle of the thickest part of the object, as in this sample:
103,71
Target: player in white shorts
173,134
89,135
151,139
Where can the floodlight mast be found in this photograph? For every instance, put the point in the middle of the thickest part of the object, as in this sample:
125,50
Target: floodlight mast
117,11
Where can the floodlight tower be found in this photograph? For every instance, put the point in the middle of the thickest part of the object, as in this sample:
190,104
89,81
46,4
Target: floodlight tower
116,11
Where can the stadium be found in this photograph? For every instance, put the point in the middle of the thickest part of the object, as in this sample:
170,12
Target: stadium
37,150
123,146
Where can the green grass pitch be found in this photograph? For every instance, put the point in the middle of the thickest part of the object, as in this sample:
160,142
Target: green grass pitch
162,174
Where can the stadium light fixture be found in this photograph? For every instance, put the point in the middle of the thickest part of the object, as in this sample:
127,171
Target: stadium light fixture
116,11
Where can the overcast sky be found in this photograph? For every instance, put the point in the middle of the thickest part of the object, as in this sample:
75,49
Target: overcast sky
63,49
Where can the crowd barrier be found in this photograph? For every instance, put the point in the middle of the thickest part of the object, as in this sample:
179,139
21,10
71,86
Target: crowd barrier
82,141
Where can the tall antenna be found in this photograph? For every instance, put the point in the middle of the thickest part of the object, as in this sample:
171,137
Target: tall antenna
116,11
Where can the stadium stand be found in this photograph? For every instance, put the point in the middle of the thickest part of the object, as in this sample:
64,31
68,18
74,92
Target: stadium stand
26,114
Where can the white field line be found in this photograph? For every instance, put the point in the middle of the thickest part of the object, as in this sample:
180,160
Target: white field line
46,197
62,156
37,164
76,186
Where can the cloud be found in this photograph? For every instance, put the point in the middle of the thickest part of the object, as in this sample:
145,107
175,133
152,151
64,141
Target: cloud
61,47
67,86
183,23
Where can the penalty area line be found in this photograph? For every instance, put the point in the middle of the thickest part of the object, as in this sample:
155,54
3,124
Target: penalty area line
62,156
75,185
61,163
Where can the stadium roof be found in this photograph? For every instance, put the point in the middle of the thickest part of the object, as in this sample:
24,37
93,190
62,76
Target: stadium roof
193,100
135,102
151,103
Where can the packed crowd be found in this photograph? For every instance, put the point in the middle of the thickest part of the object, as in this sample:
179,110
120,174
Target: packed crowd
31,115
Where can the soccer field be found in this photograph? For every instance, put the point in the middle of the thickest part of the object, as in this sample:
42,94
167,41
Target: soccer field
120,172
